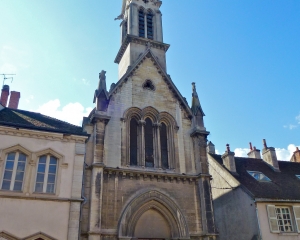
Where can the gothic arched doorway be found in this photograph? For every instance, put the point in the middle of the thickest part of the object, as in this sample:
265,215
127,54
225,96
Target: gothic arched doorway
152,224
152,215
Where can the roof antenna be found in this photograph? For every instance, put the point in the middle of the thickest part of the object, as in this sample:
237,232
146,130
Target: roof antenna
6,78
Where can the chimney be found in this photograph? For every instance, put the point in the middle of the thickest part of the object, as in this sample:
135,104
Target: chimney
210,148
269,156
228,159
14,99
4,95
296,156
254,153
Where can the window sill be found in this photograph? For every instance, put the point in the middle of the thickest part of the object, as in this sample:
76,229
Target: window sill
42,193
288,234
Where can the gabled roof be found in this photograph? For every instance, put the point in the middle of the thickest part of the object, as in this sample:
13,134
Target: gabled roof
36,121
148,54
284,185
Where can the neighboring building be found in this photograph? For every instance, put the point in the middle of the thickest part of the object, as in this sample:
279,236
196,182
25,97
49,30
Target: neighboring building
41,167
147,171
255,198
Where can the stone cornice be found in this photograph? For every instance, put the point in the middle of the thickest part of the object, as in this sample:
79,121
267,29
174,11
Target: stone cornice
143,41
158,175
198,132
41,198
41,135
96,116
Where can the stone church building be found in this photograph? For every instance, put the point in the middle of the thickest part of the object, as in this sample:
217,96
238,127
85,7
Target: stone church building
136,169
146,174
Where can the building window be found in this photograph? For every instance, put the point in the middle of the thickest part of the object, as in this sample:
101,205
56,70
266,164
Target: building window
14,171
149,85
149,159
150,25
141,23
259,176
164,146
284,218
298,176
133,141
46,174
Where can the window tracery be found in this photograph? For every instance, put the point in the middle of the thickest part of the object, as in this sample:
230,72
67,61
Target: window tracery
149,141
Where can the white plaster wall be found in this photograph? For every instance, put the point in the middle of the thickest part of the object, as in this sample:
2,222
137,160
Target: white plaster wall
264,223
67,149
23,218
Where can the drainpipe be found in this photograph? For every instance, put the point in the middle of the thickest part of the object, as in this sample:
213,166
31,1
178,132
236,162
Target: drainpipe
260,236
84,200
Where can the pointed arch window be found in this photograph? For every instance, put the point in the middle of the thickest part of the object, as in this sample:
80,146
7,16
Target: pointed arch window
149,159
133,141
14,171
164,146
150,25
141,23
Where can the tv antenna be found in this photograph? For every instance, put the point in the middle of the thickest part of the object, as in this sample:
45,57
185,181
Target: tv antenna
6,78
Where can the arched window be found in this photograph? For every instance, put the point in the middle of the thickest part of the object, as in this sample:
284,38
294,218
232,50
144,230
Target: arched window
149,159
141,23
133,141
150,25
14,171
46,174
164,146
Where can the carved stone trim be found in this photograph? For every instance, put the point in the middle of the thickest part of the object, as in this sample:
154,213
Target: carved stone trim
135,39
41,135
155,199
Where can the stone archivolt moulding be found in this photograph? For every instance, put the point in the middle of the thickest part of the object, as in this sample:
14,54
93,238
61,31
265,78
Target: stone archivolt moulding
153,199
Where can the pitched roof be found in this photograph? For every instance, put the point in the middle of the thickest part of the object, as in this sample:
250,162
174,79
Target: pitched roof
36,121
284,184
166,77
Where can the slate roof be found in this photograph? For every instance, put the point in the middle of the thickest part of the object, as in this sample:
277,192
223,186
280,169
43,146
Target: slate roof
284,184
36,121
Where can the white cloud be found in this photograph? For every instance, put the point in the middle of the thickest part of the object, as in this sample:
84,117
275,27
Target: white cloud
285,154
71,113
241,152
28,100
86,82
290,126
298,119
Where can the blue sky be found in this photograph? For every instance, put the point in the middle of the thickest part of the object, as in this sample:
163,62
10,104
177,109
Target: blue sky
243,55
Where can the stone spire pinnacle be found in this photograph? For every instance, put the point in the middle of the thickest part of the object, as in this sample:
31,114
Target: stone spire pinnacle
196,107
101,94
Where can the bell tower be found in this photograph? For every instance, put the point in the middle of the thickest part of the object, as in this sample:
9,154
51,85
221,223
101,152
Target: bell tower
141,29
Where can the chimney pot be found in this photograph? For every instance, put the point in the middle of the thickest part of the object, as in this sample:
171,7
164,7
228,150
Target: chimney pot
269,156
250,146
296,156
229,161
4,95
265,143
227,147
14,99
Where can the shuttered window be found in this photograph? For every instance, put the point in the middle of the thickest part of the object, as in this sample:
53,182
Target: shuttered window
164,146
149,25
133,141
149,160
141,23
297,217
272,218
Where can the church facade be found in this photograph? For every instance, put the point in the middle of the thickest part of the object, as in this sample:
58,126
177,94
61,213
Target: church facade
146,174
